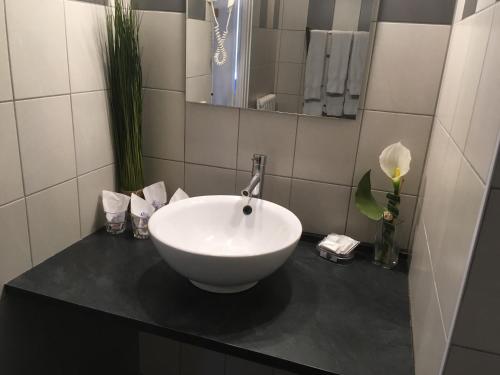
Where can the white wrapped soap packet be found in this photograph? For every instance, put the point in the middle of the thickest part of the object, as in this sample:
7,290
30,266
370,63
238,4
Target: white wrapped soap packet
115,206
156,194
178,196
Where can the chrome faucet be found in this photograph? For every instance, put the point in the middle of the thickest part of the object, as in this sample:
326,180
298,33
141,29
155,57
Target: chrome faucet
256,185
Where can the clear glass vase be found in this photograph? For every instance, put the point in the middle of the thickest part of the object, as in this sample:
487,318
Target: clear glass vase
386,251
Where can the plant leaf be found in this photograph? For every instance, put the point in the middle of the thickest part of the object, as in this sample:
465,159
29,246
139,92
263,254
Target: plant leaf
365,202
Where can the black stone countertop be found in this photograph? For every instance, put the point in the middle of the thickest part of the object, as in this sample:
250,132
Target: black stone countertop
310,316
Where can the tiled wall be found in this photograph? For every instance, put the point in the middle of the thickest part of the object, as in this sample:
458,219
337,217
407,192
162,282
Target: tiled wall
314,163
455,185
55,143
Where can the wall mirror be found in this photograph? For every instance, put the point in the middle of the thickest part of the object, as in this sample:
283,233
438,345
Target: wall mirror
296,56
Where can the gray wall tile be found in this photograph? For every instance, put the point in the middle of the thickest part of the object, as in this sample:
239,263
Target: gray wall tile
463,361
320,14
196,9
469,8
161,5
421,11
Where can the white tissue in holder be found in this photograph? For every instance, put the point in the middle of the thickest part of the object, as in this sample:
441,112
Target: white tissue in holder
141,211
156,194
140,207
115,206
178,195
337,247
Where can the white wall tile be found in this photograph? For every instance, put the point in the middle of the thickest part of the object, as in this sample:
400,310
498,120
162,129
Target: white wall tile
271,134
199,361
93,138
429,339
198,48
379,130
238,366
158,355
46,141
289,78
452,75
463,361
211,135
15,257
163,124
163,39
170,172
53,220
292,46
203,180
276,188
478,321
90,187
322,208
11,185
485,124
406,67
326,149
451,263
37,44
86,31
294,14
479,27
444,160
5,82
364,229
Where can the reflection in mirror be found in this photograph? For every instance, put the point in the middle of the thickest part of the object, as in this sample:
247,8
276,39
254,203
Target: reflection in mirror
298,56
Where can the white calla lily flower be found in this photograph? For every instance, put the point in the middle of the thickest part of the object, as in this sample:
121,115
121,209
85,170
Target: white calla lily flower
395,161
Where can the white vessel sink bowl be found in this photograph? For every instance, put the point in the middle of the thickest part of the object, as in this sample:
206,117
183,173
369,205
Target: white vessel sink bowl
217,247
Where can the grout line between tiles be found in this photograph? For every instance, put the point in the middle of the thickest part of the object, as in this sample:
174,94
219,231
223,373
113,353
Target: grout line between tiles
395,112
162,89
237,151
475,349
361,118
95,170
72,121
17,130
434,284
293,159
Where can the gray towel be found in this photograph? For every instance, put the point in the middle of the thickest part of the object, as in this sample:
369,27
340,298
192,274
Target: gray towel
334,105
315,63
340,49
357,63
313,107
351,104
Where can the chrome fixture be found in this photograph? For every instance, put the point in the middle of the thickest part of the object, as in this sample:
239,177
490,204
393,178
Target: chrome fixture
256,185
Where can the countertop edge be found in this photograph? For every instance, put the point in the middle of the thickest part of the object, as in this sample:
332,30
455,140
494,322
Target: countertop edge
178,336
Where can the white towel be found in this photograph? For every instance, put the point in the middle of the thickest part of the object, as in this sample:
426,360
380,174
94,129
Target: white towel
340,49
315,63
357,62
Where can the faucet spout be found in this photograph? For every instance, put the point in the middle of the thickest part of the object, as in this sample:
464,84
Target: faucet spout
254,188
